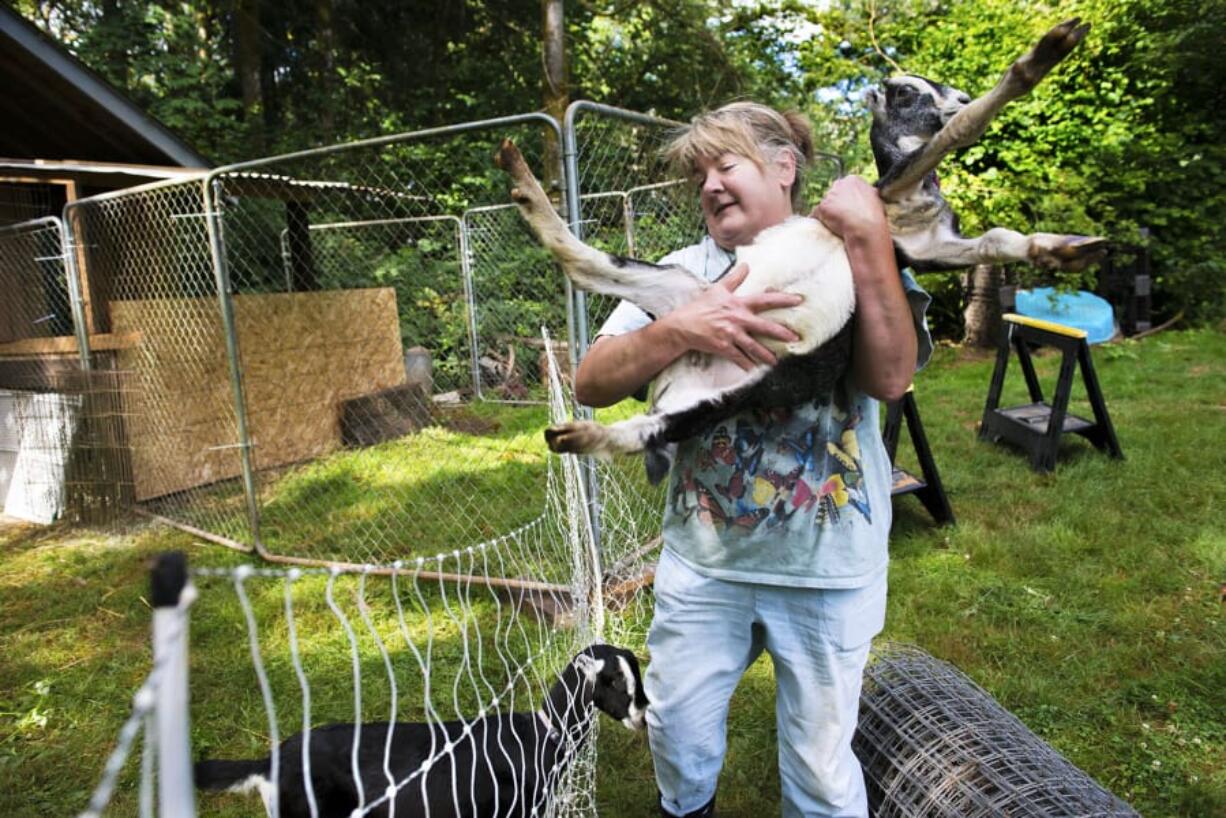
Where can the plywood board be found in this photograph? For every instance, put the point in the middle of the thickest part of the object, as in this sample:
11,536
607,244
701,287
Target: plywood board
302,354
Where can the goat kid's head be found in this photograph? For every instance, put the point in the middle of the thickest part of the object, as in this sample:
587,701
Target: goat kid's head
908,111
617,687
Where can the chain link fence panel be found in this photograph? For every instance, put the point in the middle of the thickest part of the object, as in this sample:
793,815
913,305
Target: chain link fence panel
153,316
40,401
336,354
632,203
516,290
387,309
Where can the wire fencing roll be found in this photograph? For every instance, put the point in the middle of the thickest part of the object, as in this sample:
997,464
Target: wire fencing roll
933,743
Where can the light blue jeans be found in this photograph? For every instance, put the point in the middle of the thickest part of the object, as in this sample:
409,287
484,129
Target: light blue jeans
707,632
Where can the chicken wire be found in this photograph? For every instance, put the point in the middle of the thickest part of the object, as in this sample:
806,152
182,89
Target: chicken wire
933,743
53,412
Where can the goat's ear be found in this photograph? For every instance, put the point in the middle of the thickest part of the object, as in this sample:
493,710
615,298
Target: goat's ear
875,100
588,666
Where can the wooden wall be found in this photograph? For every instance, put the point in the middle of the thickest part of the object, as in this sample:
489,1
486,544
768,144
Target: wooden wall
302,354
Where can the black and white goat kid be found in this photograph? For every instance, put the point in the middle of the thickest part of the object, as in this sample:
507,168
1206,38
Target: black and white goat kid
493,767
916,123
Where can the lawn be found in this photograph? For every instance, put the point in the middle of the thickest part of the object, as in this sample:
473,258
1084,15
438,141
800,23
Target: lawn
1089,601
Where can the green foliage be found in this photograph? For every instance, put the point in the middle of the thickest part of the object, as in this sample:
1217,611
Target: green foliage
1122,140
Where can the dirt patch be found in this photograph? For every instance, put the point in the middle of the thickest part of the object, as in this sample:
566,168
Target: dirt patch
465,422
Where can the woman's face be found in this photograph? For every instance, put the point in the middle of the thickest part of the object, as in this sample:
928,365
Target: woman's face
740,200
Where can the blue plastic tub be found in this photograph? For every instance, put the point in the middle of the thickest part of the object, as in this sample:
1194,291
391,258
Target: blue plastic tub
1081,310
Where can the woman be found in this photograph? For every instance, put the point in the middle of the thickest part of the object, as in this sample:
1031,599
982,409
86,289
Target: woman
776,526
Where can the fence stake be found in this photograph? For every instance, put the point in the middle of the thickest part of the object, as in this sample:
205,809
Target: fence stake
172,594
68,243
470,296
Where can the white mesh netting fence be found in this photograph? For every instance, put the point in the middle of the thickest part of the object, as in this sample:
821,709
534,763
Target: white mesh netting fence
456,641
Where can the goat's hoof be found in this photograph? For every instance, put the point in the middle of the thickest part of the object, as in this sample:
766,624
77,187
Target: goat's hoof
1055,45
1071,253
1059,43
580,437
508,156
520,198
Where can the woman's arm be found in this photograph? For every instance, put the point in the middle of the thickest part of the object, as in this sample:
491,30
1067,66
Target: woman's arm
718,322
884,351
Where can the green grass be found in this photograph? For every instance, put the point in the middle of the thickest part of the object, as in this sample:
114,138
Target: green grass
1088,601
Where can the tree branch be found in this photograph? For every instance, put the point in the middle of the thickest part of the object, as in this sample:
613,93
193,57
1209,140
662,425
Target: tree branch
872,35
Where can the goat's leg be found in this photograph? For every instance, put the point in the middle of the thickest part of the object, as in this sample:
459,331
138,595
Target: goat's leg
1002,246
968,125
655,288
687,397
588,437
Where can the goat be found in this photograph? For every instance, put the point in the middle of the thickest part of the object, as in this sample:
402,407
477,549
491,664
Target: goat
916,123
493,767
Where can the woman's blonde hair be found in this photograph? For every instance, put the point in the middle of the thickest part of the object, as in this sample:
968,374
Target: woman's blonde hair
749,129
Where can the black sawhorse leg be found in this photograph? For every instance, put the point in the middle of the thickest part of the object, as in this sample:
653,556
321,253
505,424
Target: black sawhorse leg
928,488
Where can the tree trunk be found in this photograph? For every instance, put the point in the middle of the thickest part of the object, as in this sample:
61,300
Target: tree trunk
982,313
327,68
247,53
557,92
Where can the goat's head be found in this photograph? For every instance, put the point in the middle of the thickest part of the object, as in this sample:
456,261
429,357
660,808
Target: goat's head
907,112
617,686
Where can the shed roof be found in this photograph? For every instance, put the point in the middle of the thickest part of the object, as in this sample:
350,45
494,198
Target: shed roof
54,107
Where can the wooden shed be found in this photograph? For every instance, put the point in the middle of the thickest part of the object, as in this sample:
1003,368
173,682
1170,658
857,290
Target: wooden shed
153,415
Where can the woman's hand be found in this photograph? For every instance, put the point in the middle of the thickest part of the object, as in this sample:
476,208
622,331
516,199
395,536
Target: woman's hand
722,323
851,209
884,346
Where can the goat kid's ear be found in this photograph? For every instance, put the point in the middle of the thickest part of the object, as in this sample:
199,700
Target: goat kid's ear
588,666
875,100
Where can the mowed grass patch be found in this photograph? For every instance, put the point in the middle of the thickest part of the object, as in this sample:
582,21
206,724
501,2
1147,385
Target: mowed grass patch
1088,601
477,472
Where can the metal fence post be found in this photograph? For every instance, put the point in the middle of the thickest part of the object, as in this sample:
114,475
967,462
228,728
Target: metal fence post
576,307
226,303
470,296
69,246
